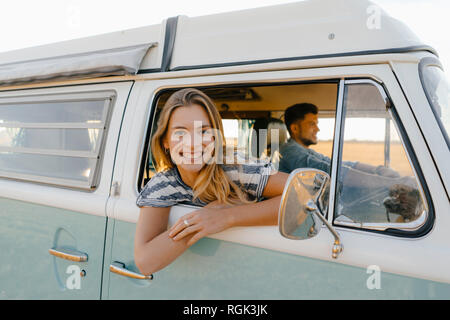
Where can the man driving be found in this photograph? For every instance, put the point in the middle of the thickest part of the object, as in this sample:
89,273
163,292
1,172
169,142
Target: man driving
302,123
360,183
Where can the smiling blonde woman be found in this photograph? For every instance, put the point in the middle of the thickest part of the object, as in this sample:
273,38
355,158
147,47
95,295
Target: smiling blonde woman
188,149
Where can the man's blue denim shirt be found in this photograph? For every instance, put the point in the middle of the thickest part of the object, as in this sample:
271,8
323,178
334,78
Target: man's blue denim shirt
293,156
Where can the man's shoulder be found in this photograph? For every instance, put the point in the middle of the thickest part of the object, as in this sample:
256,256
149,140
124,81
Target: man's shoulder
292,146
318,155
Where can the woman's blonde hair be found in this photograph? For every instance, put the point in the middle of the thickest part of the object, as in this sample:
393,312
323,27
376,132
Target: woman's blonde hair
212,182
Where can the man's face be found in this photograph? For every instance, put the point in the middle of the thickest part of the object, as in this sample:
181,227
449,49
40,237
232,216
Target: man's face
305,130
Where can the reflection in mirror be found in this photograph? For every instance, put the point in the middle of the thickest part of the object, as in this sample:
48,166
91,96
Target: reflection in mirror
322,201
304,189
300,216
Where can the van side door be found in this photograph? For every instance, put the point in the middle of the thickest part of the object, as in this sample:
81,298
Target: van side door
57,152
409,257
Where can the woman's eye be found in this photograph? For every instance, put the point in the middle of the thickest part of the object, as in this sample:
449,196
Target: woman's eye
207,134
178,134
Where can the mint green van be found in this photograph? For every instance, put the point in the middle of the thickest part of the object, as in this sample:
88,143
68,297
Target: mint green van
76,119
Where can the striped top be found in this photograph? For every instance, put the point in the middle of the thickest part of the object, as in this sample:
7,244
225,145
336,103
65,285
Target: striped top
166,188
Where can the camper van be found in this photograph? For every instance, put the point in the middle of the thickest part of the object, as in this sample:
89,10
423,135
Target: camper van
77,117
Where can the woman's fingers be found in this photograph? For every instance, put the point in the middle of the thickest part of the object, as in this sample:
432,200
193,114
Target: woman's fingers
180,225
176,228
186,231
203,222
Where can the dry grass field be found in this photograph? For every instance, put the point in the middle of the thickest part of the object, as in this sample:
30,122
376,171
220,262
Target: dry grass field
370,153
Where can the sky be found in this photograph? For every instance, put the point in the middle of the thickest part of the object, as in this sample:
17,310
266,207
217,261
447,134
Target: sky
29,23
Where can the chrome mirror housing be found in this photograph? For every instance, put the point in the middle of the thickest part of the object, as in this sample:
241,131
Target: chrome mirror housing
305,198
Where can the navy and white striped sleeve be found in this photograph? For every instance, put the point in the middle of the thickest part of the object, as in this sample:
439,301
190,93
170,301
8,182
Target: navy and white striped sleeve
158,192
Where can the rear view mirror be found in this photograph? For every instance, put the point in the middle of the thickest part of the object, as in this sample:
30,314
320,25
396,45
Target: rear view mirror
305,198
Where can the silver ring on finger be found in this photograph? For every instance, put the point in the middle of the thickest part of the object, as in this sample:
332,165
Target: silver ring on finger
186,222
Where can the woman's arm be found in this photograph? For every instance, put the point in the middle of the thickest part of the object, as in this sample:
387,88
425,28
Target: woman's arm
153,248
209,220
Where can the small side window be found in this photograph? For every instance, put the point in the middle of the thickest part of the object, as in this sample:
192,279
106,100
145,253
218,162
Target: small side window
54,139
436,89
377,187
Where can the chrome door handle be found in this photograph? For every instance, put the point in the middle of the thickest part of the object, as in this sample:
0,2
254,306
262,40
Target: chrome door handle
68,254
119,268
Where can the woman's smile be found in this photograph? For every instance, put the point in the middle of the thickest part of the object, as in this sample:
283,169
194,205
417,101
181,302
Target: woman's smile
195,157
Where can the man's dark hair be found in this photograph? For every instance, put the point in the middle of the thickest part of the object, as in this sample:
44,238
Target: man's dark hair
298,112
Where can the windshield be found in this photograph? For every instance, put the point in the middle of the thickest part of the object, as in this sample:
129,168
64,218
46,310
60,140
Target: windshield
438,94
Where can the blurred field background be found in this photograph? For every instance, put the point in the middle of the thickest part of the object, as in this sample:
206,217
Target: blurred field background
370,153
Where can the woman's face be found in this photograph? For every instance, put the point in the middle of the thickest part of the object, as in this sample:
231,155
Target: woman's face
189,138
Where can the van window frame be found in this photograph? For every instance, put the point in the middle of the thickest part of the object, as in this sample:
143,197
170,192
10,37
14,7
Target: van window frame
336,149
151,122
409,150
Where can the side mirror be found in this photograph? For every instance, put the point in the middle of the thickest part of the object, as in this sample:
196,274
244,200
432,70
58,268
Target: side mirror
305,197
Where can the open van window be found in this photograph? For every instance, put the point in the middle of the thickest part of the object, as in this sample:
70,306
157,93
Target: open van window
251,113
372,151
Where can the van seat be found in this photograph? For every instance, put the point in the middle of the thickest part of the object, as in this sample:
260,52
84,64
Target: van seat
262,130
278,137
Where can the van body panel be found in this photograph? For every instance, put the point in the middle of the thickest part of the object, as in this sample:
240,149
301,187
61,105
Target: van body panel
393,255
359,59
28,270
218,269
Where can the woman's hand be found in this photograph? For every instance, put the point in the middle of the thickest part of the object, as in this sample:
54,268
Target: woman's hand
205,221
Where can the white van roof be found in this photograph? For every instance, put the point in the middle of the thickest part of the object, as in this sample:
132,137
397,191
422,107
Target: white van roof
307,29
302,30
